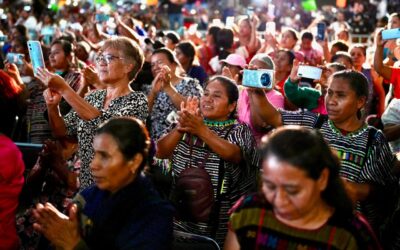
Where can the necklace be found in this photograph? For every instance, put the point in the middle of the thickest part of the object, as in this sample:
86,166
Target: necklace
210,123
347,133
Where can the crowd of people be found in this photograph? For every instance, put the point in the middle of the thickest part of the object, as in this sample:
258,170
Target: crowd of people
150,128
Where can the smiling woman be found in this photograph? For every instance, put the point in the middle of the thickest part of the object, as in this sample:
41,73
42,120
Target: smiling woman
119,61
208,135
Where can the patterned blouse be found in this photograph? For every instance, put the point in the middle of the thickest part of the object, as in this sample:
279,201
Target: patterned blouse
133,104
237,180
163,105
358,163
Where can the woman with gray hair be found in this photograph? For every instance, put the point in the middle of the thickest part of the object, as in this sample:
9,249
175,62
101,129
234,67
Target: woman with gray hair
118,62
259,61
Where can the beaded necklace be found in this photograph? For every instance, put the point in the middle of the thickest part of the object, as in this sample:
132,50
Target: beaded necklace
348,134
220,124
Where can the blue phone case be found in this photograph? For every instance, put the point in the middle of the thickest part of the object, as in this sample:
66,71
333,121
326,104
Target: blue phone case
321,31
36,55
391,34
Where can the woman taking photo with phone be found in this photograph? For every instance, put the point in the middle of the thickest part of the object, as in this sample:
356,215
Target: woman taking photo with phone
366,159
208,136
302,202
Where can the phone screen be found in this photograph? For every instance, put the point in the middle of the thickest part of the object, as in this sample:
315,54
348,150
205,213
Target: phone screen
321,31
36,55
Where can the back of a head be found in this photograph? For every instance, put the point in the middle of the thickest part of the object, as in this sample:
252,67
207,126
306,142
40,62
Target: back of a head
225,39
265,59
187,48
130,134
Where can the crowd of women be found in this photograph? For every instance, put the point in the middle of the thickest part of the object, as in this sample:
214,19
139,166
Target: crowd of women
149,133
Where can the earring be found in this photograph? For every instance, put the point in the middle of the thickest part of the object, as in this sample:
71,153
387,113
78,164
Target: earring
360,113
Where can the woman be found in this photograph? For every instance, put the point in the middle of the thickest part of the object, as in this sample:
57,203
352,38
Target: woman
366,160
209,49
118,62
376,98
283,65
168,90
60,58
259,61
249,43
302,203
123,210
217,139
186,54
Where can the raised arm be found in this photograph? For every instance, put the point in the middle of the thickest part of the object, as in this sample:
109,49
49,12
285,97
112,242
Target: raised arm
262,112
57,84
56,121
382,69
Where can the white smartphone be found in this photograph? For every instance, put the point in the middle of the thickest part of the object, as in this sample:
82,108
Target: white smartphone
36,55
270,27
310,72
230,20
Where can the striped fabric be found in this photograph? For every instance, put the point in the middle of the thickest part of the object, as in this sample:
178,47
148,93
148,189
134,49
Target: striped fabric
256,227
356,164
237,179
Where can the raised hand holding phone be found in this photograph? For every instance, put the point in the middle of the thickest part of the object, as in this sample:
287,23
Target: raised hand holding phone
36,55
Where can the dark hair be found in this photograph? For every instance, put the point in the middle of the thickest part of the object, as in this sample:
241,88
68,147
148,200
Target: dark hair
213,31
337,66
290,53
359,46
307,150
131,136
173,36
293,32
170,55
188,49
307,35
357,81
65,44
231,90
342,54
340,45
130,50
224,42
21,29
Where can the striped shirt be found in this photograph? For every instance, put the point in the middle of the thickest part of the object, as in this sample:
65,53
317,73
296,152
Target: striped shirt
237,181
358,164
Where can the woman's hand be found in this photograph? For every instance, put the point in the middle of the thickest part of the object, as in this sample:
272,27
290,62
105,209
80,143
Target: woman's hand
293,74
379,42
166,78
191,123
191,105
52,81
59,229
52,98
156,84
12,70
90,77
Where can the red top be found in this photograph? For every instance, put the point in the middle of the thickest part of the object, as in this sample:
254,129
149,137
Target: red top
11,182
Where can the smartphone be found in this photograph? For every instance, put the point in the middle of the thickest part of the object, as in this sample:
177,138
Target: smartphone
263,78
15,58
230,20
36,55
216,22
3,38
391,34
250,11
271,10
309,72
321,31
270,28
102,17
192,29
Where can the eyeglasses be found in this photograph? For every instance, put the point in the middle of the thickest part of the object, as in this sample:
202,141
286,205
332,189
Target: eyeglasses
106,58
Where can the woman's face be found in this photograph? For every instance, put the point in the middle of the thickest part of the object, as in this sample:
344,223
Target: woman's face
394,23
110,170
341,101
357,56
169,44
282,62
182,58
111,67
214,104
57,58
291,192
244,29
157,61
287,40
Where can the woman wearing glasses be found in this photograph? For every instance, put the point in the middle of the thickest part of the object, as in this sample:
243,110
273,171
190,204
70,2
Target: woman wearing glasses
118,62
